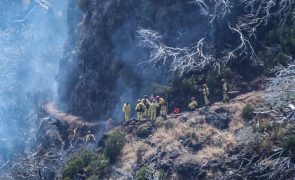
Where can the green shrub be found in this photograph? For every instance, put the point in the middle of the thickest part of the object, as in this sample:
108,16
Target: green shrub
92,163
162,174
87,156
247,112
72,167
289,145
114,145
99,166
143,173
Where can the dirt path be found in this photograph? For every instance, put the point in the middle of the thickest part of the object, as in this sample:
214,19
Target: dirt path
52,110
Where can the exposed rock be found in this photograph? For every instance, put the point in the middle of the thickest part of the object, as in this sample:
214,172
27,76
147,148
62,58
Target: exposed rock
220,121
192,145
145,130
190,172
173,155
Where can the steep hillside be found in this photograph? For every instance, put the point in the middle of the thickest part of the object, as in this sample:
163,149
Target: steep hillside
225,141
104,65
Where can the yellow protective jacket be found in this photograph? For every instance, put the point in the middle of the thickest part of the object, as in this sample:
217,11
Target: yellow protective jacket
162,102
225,88
140,107
126,108
193,104
206,91
146,102
90,138
154,106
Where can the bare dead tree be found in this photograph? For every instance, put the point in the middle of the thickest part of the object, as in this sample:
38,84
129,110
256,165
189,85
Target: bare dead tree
274,166
281,88
257,13
214,9
180,60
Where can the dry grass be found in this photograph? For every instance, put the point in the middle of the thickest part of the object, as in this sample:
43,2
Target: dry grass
208,154
167,139
205,155
169,132
129,154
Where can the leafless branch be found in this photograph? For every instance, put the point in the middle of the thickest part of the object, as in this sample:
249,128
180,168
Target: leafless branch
281,88
180,60
214,9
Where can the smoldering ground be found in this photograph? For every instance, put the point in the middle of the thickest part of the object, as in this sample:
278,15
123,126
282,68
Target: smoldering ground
32,35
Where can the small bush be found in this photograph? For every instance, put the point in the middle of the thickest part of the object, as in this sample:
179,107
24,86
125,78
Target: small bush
87,161
73,167
289,145
162,174
247,112
99,166
139,154
87,156
194,135
143,173
114,145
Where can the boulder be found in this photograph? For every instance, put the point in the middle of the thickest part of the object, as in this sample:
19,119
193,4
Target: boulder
189,171
220,121
192,145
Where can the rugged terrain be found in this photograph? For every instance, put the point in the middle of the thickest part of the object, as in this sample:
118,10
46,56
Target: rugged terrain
214,143
225,141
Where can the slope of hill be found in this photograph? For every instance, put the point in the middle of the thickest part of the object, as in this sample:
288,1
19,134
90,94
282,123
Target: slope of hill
225,141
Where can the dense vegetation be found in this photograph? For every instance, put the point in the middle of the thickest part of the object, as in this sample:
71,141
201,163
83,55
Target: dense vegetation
91,165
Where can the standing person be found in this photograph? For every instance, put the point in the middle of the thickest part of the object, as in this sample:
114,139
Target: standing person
206,93
127,111
225,91
153,108
90,140
147,104
193,104
163,106
140,109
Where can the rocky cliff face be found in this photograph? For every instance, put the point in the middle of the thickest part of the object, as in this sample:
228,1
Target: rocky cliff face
102,70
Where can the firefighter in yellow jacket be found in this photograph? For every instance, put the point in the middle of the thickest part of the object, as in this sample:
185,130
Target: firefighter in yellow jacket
206,93
140,109
153,109
127,111
193,104
90,138
225,91
163,106
147,104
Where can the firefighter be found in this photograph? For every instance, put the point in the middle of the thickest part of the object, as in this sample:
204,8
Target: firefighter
206,93
193,104
90,138
153,108
225,91
140,109
147,104
127,111
163,106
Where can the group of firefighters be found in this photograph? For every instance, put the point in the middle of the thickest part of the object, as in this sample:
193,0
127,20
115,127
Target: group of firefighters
150,108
